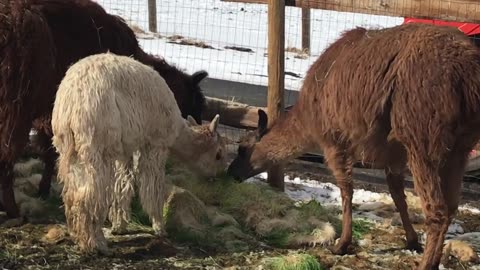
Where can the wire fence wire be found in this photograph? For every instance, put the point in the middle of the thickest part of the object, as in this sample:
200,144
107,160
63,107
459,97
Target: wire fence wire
229,39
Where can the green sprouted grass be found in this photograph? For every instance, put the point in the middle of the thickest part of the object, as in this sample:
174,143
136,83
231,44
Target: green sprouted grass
360,227
294,262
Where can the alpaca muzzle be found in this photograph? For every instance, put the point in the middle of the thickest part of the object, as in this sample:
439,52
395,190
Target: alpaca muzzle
234,173
242,173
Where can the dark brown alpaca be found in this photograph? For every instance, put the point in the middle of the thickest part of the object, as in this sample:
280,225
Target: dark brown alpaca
40,40
27,69
392,97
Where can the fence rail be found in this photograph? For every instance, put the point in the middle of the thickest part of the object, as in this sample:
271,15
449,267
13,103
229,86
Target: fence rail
456,10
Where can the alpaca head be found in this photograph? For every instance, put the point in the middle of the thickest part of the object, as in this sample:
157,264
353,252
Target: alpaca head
251,159
207,154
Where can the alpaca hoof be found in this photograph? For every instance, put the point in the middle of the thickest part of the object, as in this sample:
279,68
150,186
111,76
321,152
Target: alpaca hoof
415,246
339,249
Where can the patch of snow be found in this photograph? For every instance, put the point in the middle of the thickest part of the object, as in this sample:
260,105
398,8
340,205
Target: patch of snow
455,228
369,216
325,193
469,208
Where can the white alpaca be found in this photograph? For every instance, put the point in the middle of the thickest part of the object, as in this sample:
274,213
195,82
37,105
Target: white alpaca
107,107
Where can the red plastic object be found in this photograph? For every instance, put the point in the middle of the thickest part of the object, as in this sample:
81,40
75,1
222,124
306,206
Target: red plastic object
468,28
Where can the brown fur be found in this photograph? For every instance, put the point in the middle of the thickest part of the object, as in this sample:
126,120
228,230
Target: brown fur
40,40
392,97
26,82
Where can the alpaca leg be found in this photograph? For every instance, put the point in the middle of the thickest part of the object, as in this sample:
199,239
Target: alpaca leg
151,181
123,194
88,196
13,139
6,181
428,187
396,186
342,166
48,156
68,194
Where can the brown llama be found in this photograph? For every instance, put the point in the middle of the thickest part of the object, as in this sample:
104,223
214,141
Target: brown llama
27,69
65,32
393,97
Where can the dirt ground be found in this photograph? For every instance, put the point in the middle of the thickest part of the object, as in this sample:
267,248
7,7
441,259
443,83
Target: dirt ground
38,246
24,249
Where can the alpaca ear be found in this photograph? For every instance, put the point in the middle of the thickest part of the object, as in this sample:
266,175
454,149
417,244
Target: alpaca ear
214,124
198,76
262,122
191,121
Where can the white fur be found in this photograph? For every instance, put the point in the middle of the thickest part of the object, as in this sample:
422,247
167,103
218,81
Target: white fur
107,108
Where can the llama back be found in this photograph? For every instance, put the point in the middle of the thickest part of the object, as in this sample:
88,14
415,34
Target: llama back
364,80
99,31
115,103
102,32
447,98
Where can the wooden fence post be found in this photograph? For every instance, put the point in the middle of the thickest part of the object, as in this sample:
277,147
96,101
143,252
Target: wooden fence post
152,16
276,75
306,30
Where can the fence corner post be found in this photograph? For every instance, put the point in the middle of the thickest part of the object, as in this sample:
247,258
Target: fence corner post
276,76
152,16
306,30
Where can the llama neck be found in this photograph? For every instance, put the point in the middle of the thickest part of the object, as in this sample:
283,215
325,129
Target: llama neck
285,140
165,70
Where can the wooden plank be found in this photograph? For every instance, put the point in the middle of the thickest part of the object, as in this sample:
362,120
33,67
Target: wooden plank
306,30
449,10
231,113
276,76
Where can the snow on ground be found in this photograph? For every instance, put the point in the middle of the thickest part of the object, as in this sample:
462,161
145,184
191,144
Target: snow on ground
221,24
304,190
328,194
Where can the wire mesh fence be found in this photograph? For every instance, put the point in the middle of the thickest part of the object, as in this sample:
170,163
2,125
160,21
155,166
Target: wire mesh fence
229,39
